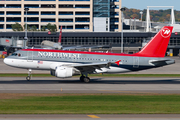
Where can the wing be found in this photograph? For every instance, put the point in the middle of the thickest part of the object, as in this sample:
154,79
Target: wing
91,67
88,68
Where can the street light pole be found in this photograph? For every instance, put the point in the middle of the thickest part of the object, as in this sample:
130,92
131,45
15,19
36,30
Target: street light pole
26,9
122,9
141,14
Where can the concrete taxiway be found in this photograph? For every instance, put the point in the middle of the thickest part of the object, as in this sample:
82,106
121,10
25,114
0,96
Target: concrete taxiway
128,85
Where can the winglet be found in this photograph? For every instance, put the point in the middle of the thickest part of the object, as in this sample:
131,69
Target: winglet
157,46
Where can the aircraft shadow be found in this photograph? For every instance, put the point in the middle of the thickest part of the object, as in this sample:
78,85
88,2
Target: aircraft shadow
93,81
167,81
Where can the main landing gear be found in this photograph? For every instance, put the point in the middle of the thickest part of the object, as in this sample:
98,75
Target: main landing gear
85,79
28,78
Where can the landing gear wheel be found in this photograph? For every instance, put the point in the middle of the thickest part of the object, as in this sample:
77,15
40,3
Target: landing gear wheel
86,79
82,78
28,78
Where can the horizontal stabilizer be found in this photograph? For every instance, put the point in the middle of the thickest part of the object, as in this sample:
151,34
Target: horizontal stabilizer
161,62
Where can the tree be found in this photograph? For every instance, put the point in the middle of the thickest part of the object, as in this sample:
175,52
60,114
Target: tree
156,15
17,27
43,28
51,28
34,28
28,28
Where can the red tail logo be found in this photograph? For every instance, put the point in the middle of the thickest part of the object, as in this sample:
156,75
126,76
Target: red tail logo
165,32
157,46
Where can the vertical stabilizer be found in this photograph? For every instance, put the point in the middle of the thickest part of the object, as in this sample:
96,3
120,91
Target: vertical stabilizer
60,35
157,46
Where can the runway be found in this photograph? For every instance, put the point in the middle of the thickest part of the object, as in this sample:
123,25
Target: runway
125,85
90,117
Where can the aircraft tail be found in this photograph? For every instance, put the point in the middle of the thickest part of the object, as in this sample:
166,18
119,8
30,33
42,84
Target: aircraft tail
60,35
157,46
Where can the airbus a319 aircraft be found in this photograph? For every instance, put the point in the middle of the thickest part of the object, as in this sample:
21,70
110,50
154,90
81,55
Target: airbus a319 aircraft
64,64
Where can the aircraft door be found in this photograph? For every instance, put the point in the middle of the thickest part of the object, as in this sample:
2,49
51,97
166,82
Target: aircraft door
136,62
30,56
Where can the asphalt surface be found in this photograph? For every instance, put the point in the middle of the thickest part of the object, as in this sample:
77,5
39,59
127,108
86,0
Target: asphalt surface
90,117
97,85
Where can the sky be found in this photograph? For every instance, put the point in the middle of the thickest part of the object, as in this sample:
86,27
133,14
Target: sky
142,4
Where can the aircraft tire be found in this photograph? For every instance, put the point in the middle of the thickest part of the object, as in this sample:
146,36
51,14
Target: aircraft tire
86,79
28,78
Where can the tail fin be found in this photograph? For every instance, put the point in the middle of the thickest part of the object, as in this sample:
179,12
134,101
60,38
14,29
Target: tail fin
157,46
60,35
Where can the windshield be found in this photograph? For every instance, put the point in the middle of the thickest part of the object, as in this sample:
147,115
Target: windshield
14,54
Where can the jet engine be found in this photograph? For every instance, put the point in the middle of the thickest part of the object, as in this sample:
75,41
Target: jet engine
64,72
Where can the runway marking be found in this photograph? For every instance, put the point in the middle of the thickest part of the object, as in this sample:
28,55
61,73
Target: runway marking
93,116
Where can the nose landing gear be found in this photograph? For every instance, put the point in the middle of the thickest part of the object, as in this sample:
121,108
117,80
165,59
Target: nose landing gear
28,78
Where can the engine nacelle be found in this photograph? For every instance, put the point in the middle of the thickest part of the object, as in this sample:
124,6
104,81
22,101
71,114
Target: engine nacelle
64,72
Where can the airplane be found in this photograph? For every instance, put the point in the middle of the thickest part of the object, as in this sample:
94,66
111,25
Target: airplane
53,45
64,64
46,44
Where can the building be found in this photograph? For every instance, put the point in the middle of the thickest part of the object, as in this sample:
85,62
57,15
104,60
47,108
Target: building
73,15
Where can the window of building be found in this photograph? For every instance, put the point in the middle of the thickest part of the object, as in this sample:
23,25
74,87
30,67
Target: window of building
48,6
13,6
65,6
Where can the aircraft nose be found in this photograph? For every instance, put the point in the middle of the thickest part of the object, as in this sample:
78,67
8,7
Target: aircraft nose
7,61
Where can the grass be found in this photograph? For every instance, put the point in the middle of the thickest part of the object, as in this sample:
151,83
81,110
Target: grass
94,75
92,104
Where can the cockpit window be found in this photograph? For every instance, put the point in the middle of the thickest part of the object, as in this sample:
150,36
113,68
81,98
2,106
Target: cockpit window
14,54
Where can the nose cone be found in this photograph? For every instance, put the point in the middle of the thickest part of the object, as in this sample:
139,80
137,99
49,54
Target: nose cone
8,61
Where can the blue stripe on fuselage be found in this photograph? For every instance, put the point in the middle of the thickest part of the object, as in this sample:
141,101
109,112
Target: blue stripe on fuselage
132,68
